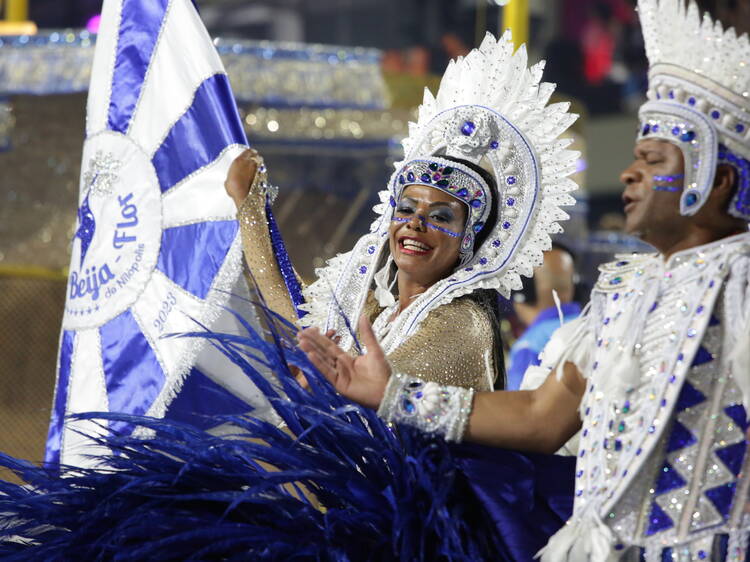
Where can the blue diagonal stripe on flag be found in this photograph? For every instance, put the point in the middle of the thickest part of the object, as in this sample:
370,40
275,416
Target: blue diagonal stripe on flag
191,255
140,22
126,350
54,436
209,125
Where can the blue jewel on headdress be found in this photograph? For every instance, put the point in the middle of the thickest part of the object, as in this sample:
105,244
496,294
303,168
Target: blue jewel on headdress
410,177
739,127
494,145
671,94
646,129
655,128
408,406
447,171
463,192
476,203
433,166
715,114
477,227
392,201
691,199
496,243
371,250
363,269
511,180
506,225
675,131
510,202
442,183
691,101
483,261
687,136
425,178
468,128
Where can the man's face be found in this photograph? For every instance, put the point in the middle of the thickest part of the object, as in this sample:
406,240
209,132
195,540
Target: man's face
652,201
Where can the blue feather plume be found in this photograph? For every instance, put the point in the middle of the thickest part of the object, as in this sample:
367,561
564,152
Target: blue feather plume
336,484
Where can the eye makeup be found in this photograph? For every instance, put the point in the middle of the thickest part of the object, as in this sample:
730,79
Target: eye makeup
665,180
429,225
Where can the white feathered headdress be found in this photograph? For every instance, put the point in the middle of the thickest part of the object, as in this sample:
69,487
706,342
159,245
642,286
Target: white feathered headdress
493,110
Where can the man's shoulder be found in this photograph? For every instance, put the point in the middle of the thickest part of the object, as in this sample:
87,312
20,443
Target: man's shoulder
621,271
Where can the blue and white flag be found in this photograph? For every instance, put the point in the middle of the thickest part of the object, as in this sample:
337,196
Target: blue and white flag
156,245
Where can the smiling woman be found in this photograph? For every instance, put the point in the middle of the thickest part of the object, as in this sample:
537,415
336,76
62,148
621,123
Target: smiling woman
465,214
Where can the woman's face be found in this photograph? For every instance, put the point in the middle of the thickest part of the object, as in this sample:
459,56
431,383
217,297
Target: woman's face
425,234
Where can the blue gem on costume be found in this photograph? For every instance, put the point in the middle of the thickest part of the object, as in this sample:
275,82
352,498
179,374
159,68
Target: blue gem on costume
86,228
468,128
363,269
477,227
671,94
675,131
646,129
496,243
689,397
737,414
715,114
615,281
691,199
510,202
392,201
739,127
494,145
468,269
702,554
408,406
483,261
410,177
476,203
426,178
442,183
506,225
615,296
621,263
691,100
401,179
655,128
433,166
371,250
511,180
687,136
447,171
462,193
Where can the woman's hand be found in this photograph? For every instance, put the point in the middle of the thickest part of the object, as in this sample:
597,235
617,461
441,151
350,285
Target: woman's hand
363,378
241,175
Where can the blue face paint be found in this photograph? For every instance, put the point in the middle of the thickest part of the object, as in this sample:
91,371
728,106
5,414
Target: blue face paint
668,179
429,225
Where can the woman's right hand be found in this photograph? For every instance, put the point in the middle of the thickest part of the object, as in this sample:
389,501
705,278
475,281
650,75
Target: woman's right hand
241,175
363,378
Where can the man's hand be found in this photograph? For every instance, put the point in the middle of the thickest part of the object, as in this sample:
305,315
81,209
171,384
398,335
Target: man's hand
363,378
241,175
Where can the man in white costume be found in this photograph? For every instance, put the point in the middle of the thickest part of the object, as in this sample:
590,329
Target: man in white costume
657,373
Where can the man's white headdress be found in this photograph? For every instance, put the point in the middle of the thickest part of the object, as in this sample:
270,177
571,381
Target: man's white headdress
492,110
699,97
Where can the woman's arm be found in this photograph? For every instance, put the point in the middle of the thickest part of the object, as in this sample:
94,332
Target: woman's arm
244,184
540,420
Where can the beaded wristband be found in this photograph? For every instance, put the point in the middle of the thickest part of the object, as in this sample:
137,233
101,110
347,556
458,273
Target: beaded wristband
428,406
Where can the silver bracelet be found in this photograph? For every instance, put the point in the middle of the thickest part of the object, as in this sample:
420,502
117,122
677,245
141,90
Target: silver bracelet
428,406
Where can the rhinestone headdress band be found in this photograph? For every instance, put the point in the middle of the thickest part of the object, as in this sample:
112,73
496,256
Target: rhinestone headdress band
456,180
699,102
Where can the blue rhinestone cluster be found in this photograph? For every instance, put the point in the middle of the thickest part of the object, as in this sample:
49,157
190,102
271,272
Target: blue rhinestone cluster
740,206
